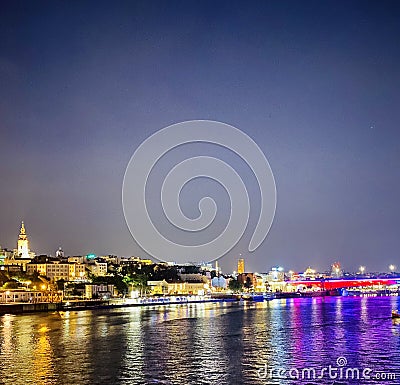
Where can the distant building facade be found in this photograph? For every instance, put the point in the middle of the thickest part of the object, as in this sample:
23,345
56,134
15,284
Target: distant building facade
58,271
99,291
98,269
240,266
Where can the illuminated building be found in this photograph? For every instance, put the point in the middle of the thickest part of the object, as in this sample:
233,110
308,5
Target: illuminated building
141,261
310,273
40,268
336,270
76,259
32,296
77,271
276,279
195,288
333,283
135,262
276,274
240,266
219,283
5,255
60,253
22,255
158,287
178,288
98,269
261,282
22,243
57,271
100,291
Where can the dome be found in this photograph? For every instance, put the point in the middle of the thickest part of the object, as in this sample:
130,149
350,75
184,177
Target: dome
218,282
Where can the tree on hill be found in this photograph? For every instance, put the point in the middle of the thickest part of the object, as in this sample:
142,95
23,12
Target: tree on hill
138,281
11,285
235,285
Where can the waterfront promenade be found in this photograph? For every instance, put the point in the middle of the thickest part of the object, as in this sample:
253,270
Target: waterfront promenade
85,304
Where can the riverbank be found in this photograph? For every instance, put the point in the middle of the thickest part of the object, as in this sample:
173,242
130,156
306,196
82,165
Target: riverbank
76,305
20,308
25,308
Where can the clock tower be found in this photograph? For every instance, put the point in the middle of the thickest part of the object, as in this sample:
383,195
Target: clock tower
22,244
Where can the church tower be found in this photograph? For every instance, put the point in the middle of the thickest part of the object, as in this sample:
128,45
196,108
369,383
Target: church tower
22,244
240,266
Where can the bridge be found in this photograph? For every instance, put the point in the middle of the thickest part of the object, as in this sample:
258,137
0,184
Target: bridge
332,284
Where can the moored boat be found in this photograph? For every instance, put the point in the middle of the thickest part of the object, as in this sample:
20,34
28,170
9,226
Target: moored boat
395,314
269,296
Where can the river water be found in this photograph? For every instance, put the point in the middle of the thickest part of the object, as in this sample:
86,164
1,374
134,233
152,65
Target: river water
277,342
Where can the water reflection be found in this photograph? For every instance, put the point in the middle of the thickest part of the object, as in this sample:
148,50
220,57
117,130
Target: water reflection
199,343
43,364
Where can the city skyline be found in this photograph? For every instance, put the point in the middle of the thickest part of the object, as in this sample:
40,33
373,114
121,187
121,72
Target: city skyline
23,251
84,85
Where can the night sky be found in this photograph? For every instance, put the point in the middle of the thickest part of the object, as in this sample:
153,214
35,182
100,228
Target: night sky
315,83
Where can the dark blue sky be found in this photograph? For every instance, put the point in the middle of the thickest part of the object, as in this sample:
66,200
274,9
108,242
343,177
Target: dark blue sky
315,83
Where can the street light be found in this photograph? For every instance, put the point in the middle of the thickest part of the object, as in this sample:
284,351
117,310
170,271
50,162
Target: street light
362,269
392,268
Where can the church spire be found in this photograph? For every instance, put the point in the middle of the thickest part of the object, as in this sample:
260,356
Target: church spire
22,231
23,244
